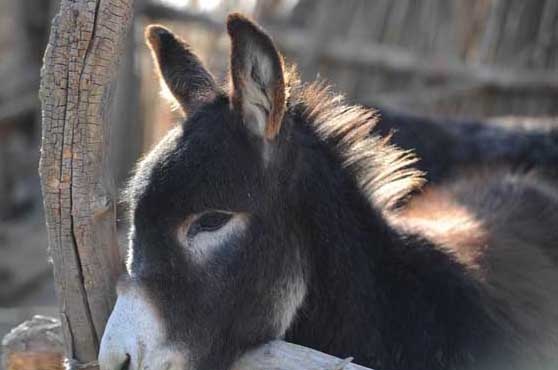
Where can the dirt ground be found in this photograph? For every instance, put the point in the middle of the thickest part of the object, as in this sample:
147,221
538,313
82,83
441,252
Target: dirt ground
26,281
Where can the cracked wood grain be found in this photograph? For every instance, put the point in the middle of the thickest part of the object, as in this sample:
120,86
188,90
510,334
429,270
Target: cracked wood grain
77,82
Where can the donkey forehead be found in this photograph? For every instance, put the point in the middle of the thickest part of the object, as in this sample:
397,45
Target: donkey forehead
205,163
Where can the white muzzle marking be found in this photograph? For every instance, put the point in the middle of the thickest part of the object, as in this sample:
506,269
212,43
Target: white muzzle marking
134,330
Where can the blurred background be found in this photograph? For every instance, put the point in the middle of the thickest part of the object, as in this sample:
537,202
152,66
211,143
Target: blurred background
477,60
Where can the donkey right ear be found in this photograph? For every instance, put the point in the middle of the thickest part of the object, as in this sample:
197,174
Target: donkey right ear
257,76
184,74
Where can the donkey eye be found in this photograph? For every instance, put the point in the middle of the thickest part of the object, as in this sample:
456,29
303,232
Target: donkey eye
209,221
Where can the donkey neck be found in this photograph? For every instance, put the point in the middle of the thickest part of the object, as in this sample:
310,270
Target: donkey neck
346,238
367,279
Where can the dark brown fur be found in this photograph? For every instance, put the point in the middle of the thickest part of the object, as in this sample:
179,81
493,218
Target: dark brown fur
503,228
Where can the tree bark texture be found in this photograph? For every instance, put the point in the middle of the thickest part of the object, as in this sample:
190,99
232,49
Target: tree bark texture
77,83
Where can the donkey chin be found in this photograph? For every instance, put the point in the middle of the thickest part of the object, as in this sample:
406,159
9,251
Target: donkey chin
134,338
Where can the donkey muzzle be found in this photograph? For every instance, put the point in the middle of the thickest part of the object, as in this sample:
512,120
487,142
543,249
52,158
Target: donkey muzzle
134,338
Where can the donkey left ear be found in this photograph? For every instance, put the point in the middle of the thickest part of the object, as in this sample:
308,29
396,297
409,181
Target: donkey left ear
257,77
184,74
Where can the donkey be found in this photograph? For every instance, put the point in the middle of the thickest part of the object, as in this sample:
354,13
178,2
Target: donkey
271,212
446,147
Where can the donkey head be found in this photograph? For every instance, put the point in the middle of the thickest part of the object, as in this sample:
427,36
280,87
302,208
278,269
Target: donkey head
215,265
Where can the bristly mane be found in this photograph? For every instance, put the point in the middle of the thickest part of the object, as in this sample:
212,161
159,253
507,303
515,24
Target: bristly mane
383,171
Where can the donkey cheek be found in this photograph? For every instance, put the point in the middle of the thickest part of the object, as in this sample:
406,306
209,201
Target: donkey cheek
291,299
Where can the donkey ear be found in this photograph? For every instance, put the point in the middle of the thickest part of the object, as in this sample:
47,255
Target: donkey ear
257,76
184,74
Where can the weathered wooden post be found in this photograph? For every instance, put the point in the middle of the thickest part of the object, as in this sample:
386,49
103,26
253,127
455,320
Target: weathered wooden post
77,83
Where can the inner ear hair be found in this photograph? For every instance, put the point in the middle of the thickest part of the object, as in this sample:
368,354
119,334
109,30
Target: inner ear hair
257,77
191,84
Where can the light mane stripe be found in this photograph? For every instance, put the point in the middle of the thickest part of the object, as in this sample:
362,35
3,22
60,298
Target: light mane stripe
383,171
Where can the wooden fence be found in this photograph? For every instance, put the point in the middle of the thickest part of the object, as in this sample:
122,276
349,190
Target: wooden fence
461,58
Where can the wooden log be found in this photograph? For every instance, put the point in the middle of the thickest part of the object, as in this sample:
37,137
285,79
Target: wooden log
157,10
80,65
37,345
317,39
398,59
34,345
279,355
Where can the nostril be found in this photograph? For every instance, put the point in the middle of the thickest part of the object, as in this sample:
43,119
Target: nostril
114,360
126,363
